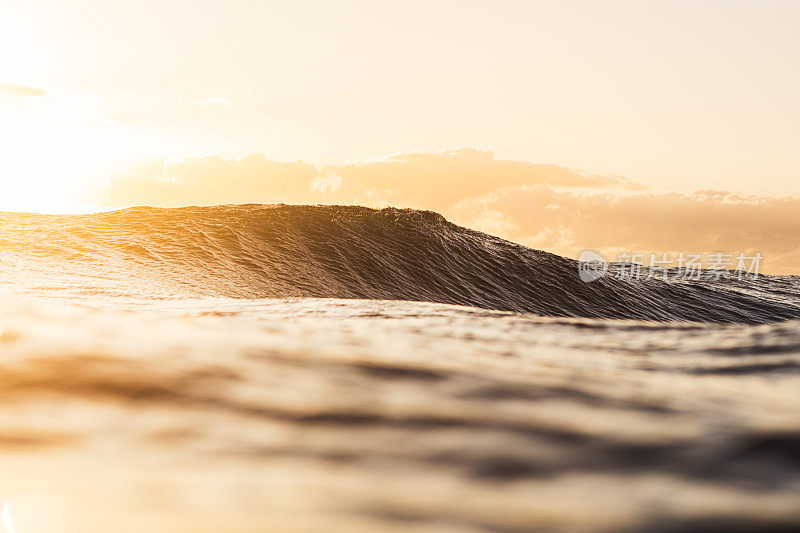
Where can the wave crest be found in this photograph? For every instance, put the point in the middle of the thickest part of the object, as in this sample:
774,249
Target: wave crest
282,251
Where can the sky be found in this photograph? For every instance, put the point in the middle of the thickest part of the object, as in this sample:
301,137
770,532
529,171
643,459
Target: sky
98,100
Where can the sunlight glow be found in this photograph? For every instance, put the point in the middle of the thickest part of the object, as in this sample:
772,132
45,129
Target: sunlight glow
55,145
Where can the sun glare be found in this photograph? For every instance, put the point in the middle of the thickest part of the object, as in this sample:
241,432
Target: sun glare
43,168
56,145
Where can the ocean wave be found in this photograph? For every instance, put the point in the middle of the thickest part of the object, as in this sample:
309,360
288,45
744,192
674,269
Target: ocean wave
283,251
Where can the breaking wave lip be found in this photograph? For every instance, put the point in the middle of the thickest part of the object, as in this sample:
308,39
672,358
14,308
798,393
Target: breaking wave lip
287,251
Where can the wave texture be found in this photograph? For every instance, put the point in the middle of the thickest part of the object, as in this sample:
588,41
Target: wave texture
282,251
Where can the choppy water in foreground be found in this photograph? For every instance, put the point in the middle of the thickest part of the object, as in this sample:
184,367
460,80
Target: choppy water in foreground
166,370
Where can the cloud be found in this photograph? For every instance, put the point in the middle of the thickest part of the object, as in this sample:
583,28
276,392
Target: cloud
19,91
566,222
543,206
432,180
437,179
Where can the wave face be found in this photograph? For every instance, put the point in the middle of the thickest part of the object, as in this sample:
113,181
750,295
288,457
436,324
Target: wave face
281,251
